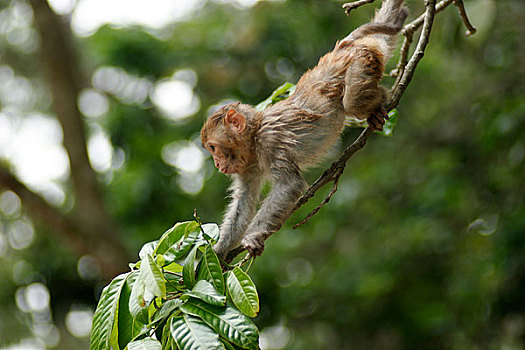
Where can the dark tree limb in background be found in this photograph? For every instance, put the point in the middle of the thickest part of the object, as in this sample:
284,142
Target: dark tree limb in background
88,228
40,211
64,227
404,72
65,80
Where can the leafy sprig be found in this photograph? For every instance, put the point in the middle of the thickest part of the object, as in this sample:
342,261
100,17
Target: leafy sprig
178,296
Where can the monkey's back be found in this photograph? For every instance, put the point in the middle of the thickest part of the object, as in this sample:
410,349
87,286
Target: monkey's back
309,122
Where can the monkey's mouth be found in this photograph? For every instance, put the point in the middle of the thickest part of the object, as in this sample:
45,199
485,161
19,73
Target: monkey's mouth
228,170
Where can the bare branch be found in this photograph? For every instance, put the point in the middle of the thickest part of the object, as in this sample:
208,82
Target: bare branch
336,170
461,7
408,71
65,80
408,32
349,6
326,200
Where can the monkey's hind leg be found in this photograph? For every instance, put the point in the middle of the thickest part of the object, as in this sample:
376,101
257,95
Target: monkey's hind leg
363,97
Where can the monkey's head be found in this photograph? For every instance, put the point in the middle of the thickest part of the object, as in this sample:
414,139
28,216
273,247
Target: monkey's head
228,136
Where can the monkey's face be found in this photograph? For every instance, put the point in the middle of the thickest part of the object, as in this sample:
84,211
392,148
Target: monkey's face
223,135
227,160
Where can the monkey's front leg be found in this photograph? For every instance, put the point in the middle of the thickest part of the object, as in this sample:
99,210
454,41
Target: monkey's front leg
287,188
245,195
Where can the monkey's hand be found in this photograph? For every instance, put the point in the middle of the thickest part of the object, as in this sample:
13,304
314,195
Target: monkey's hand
220,250
254,243
377,119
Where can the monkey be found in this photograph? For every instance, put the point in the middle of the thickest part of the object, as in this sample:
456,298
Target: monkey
291,135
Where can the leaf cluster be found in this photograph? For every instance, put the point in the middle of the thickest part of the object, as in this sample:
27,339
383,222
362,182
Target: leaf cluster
178,296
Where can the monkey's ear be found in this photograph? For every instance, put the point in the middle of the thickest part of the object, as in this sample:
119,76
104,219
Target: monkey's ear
236,120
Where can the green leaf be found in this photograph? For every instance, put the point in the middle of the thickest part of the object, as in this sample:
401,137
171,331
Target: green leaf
173,284
174,267
105,314
129,326
227,345
173,235
167,340
152,277
190,333
390,124
281,93
145,344
205,291
136,303
227,321
148,248
188,271
179,250
160,260
166,310
210,269
211,232
243,292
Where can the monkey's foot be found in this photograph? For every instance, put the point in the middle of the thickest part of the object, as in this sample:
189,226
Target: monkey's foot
254,244
377,119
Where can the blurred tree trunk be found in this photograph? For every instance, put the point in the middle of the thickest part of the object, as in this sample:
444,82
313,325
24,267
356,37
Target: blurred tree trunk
88,228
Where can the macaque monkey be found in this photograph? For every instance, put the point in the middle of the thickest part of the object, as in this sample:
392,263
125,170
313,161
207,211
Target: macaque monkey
279,142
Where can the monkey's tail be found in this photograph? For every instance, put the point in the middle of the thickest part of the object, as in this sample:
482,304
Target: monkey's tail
392,13
384,27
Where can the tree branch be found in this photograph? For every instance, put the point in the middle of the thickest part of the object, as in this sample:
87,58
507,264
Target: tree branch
335,171
408,71
408,32
349,6
461,7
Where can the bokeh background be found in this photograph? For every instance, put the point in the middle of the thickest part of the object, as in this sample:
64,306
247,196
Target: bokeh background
101,102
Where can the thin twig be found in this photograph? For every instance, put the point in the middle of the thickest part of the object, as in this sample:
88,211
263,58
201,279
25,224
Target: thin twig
461,7
336,170
408,71
326,200
349,6
408,32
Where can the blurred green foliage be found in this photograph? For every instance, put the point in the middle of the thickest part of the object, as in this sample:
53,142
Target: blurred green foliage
423,245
